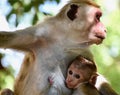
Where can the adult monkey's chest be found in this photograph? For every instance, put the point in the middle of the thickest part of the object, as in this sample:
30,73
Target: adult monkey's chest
70,55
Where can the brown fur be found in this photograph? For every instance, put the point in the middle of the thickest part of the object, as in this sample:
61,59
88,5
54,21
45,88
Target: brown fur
49,47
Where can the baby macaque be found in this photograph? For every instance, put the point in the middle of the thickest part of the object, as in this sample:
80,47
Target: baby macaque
80,71
81,76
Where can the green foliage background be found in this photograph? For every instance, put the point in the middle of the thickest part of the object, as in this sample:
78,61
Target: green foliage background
106,55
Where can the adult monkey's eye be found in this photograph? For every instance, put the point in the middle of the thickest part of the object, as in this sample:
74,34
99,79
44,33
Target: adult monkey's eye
70,72
98,15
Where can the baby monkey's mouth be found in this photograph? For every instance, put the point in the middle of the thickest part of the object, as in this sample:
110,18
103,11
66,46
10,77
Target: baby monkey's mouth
68,85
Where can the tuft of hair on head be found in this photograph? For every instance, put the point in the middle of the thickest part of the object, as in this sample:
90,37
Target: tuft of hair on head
63,11
89,2
83,62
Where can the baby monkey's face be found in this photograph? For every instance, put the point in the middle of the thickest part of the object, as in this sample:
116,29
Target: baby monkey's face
74,77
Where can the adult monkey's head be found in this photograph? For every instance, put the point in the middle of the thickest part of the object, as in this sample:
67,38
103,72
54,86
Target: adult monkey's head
83,25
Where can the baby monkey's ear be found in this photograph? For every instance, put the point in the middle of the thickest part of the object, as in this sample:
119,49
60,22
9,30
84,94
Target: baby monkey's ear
93,79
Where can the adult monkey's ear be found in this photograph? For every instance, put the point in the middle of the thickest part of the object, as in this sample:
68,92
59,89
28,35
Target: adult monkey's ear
72,12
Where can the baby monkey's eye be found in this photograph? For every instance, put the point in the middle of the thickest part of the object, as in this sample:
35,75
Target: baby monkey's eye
70,72
77,76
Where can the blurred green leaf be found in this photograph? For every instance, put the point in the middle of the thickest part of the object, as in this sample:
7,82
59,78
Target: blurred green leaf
19,7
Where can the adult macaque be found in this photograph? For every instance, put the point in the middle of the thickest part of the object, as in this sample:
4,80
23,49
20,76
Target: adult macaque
80,71
49,45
